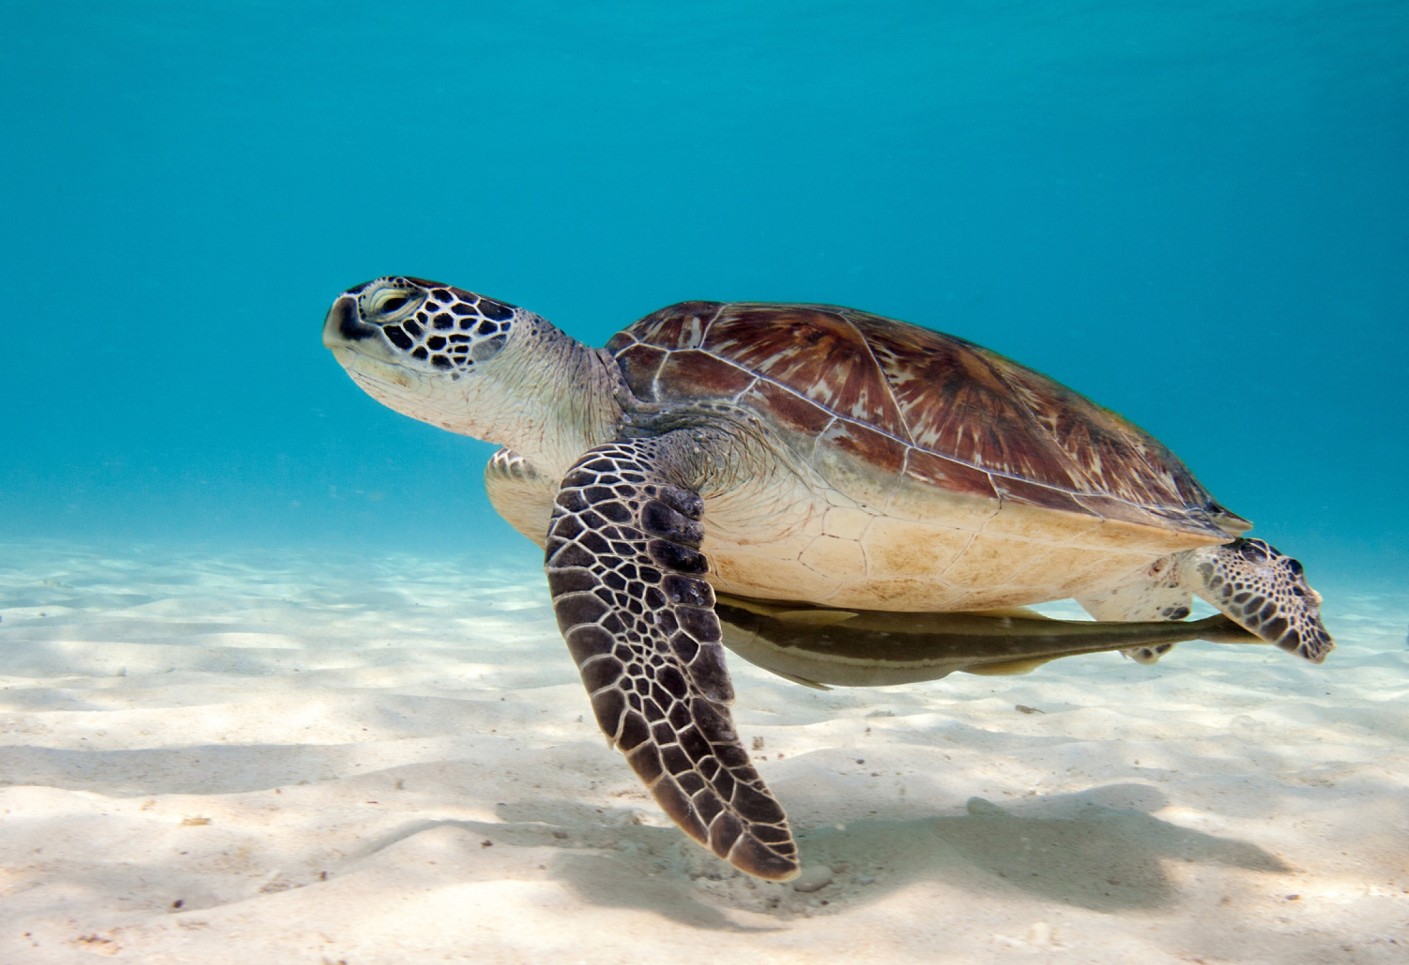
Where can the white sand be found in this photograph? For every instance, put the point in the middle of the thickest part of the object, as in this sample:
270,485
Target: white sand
288,758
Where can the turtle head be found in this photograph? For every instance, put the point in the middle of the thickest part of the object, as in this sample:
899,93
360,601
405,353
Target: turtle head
465,362
419,326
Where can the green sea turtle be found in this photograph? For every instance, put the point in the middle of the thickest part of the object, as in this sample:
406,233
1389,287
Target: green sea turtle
818,457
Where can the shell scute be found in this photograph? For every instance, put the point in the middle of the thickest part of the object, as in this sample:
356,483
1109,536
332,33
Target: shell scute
640,363
692,374
950,474
789,409
679,326
812,351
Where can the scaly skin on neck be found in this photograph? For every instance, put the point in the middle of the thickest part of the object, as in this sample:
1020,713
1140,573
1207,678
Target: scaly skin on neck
547,396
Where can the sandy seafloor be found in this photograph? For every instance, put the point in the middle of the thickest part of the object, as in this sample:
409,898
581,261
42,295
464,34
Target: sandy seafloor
301,757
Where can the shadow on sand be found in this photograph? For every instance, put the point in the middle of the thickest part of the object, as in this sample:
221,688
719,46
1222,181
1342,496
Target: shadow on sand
1076,850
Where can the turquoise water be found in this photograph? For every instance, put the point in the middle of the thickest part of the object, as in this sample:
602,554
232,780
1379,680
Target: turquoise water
1194,213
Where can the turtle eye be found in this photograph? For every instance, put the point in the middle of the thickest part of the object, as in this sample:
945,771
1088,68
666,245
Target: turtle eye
391,304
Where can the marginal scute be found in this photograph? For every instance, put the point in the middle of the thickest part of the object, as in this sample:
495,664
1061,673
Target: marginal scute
948,474
1034,494
878,452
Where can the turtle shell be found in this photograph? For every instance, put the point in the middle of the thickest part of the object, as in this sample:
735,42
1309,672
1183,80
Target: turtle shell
904,399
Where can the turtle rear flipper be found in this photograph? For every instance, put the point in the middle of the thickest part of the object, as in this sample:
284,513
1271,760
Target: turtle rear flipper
1265,592
626,575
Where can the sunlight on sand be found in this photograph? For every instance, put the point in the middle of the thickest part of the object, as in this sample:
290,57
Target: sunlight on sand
390,759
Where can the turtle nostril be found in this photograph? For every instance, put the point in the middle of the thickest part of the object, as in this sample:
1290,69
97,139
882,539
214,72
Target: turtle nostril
343,323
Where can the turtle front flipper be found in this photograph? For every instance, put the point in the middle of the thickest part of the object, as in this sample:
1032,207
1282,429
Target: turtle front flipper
626,575
1265,592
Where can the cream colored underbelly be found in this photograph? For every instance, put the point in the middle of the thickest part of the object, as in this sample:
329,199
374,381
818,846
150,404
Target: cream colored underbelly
781,536
926,551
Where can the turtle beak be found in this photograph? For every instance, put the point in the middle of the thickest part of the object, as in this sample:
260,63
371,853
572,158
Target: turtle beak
343,325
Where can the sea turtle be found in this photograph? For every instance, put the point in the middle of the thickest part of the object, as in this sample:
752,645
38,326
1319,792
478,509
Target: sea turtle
812,455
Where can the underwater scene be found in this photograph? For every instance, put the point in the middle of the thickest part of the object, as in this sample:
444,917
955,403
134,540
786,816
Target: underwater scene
283,677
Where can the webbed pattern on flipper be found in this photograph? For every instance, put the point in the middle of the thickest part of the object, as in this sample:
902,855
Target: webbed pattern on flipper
625,572
1266,592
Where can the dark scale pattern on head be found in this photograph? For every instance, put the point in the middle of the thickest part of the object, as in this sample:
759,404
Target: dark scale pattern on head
625,571
1266,592
450,329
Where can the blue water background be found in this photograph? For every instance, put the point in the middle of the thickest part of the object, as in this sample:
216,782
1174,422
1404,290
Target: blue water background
1195,213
